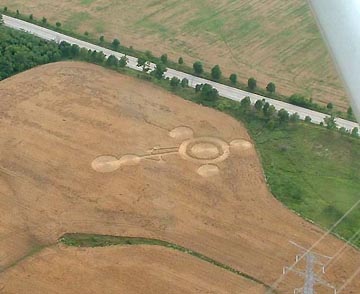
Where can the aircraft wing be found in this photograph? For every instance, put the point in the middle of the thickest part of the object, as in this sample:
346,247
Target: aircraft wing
339,21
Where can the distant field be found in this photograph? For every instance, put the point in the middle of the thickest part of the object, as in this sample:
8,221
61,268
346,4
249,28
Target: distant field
275,41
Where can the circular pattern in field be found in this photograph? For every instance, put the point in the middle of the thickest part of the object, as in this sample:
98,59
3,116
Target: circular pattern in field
105,164
240,144
204,150
108,164
129,159
208,170
181,133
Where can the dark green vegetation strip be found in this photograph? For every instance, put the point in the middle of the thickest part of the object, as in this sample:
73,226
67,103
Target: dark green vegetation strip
89,240
20,51
312,170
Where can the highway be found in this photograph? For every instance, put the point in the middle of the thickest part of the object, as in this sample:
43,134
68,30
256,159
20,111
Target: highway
225,91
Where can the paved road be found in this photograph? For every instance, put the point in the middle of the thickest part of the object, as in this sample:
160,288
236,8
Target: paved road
225,91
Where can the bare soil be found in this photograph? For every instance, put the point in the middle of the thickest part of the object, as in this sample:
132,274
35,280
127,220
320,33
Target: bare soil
58,118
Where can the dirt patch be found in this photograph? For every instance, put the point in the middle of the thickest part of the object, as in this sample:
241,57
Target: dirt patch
66,115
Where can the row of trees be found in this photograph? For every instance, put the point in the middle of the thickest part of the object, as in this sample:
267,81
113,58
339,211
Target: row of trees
216,73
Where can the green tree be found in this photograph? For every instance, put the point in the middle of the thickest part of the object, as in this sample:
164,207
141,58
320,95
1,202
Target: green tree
159,71
115,43
142,62
271,87
74,50
330,122
58,24
307,119
259,105
112,61
149,54
198,88
245,103
44,20
343,131
216,72
17,12
184,83
86,33
252,84
295,117
174,82
1,19
283,116
355,132
330,106
5,9
102,39
198,67
31,17
233,79
350,111
123,61
209,93
181,60
164,58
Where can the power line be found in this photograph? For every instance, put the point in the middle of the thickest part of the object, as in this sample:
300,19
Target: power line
311,279
280,279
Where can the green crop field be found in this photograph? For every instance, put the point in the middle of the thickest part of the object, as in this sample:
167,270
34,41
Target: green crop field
314,171
273,41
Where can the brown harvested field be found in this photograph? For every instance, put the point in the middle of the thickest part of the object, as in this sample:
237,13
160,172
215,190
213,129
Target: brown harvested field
131,270
274,40
176,171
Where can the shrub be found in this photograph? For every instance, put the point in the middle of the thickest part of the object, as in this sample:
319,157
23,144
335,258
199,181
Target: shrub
181,60
252,84
216,72
259,105
295,117
115,43
174,82
209,93
198,67
233,78
355,132
123,61
184,83
283,116
271,87
245,103
164,58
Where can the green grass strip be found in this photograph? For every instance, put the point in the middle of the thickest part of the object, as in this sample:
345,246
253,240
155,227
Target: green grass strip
91,240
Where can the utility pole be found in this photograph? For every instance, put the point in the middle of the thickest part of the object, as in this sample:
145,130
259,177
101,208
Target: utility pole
311,278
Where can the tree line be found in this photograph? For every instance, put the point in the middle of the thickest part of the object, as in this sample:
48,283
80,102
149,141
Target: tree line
20,51
197,68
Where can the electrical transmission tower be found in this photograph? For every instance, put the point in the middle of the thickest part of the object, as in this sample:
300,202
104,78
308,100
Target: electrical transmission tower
311,278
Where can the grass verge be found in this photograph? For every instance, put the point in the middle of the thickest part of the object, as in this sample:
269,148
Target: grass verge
90,240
